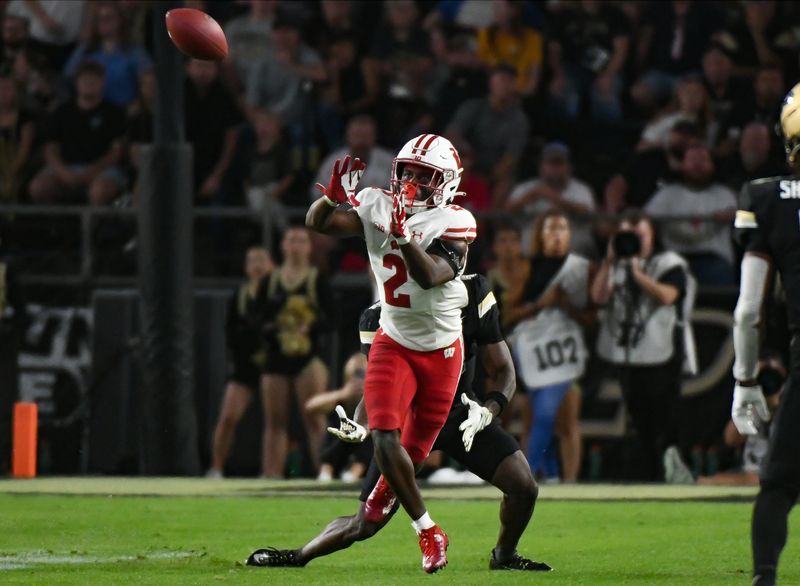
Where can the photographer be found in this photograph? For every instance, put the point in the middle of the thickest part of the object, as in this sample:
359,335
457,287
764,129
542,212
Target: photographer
648,296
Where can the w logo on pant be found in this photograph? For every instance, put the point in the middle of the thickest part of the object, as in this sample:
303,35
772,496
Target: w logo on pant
449,352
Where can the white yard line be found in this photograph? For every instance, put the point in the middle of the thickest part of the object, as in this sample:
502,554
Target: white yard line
25,560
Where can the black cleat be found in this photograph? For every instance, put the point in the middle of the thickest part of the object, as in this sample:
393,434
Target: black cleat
517,562
274,558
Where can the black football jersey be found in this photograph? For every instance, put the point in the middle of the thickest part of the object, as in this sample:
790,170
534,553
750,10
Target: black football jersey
768,222
480,320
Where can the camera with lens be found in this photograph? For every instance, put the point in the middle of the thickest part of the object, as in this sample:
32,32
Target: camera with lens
627,244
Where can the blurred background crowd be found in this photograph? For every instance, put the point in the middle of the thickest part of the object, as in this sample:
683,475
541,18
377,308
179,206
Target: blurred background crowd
568,116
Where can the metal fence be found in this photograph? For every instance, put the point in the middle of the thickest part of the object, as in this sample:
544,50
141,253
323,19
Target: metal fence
79,223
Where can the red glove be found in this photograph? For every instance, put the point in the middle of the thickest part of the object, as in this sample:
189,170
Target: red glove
397,226
342,184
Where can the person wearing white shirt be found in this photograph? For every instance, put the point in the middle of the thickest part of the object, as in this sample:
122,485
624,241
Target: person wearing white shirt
54,25
557,188
360,138
706,241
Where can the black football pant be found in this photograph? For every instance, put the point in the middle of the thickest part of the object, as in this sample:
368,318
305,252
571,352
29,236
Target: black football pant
780,478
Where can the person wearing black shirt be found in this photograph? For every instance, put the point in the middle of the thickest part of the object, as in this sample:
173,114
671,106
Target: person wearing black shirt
647,171
212,127
587,54
84,145
245,356
295,309
493,454
767,221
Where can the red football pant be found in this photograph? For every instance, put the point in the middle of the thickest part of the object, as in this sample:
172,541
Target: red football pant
411,391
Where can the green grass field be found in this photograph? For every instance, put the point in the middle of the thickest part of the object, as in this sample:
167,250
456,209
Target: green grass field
167,531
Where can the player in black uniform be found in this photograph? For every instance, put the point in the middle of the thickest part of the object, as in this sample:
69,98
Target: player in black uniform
769,224
471,436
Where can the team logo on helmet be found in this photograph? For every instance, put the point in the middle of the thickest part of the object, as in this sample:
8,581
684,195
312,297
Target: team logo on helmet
437,154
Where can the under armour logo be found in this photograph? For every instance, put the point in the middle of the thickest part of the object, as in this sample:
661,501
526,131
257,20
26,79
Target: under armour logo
449,352
416,235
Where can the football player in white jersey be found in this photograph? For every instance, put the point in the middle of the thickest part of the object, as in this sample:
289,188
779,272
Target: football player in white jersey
417,243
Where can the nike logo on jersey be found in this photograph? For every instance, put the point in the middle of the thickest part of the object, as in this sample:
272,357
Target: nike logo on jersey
449,352
790,189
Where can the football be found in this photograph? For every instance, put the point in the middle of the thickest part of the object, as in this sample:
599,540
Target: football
196,34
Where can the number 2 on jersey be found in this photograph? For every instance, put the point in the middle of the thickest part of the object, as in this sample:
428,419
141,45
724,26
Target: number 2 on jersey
393,283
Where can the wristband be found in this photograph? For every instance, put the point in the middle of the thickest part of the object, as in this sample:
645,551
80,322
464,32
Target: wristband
498,398
330,202
402,240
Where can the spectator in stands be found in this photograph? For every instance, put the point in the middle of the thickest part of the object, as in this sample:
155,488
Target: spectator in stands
464,77
765,107
510,41
347,91
557,188
83,145
351,460
296,303
510,267
245,357
15,38
35,80
692,106
756,36
497,128
360,139
249,40
400,62
281,81
54,26
670,46
705,241
547,338
753,158
587,54
478,192
647,171
648,294
268,175
727,92
108,43
400,51
337,18
16,140
212,127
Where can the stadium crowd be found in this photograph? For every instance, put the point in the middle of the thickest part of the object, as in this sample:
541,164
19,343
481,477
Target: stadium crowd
573,120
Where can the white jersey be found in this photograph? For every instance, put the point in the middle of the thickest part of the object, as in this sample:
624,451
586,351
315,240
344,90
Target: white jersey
549,347
414,317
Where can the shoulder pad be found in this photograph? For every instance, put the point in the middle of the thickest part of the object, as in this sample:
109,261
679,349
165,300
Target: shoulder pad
460,224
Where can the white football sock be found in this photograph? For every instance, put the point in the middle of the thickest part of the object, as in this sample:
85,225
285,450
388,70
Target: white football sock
423,523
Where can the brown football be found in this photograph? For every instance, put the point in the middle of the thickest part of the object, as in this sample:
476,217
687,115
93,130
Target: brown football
196,34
